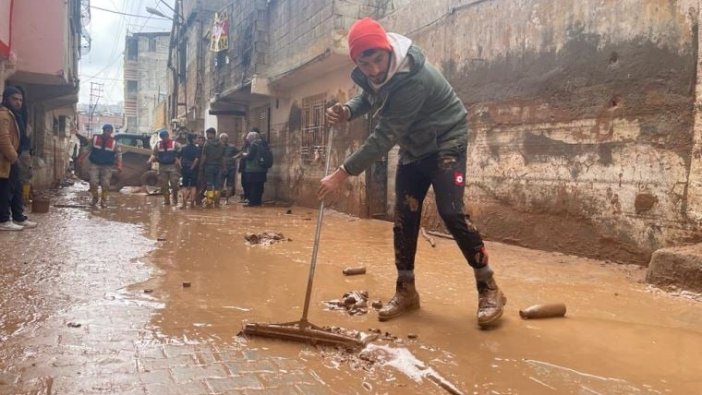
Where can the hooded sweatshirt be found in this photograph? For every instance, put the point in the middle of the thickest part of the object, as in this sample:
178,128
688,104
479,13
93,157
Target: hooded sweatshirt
418,110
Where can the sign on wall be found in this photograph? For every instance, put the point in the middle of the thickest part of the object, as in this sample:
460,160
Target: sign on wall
220,32
5,27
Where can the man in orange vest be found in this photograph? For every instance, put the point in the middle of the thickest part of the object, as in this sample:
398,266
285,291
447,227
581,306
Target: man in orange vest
167,154
105,156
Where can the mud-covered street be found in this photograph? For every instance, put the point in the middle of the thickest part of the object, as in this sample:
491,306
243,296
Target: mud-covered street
140,298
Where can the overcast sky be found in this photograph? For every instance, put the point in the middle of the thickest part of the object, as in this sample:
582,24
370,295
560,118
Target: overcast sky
104,63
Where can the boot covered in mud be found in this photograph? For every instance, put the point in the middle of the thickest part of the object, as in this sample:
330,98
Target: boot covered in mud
175,197
166,198
103,199
217,198
95,196
491,300
406,299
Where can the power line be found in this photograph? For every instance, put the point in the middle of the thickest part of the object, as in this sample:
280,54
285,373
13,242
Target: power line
126,14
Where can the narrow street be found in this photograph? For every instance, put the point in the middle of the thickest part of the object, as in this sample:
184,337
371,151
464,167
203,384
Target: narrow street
93,301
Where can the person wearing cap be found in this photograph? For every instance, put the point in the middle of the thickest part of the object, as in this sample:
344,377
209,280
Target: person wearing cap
231,154
167,153
13,142
105,156
418,110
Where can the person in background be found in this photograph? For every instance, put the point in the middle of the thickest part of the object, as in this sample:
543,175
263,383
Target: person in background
12,129
105,156
242,174
189,160
255,173
231,154
166,153
213,163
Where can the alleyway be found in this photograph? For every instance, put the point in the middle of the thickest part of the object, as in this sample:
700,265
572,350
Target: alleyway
93,301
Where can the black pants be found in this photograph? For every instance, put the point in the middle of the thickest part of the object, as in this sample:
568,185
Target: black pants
11,197
446,173
254,187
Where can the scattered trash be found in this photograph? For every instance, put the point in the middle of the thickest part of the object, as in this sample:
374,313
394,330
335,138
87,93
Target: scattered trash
148,291
412,336
266,238
352,271
186,284
543,311
427,237
160,239
377,305
353,302
288,212
74,325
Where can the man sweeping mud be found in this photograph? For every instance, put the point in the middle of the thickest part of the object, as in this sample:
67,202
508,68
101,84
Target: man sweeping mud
419,111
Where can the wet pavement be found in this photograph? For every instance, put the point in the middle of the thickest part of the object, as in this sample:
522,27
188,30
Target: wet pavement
93,301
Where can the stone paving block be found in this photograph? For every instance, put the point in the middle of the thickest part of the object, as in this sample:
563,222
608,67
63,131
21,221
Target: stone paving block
205,356
184,374
162,376
316,389
228,386
192,388
287,364
289,378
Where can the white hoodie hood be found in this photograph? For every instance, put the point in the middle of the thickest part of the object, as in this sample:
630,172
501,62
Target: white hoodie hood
398,63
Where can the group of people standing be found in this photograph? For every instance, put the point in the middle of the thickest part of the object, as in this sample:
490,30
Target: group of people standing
208,168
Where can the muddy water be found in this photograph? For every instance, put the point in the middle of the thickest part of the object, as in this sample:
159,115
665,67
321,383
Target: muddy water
619,337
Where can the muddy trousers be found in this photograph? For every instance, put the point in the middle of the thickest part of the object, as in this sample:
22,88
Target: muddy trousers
168,175
446,174
11,197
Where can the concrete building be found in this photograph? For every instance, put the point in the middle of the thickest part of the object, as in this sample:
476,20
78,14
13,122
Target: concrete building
145,78
39,51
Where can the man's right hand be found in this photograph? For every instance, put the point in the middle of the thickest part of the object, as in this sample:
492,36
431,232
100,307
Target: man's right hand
338,113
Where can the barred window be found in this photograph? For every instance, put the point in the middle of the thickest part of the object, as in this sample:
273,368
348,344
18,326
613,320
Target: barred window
314,133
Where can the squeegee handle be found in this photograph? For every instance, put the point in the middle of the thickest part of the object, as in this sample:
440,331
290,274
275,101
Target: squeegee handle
315,247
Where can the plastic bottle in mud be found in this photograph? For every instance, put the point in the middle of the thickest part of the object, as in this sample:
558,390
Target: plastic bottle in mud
543,311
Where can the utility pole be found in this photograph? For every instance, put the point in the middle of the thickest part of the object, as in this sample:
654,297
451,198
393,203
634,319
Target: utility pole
96,91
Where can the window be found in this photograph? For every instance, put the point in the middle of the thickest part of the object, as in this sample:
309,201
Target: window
132,49
131,122
314,134
132,87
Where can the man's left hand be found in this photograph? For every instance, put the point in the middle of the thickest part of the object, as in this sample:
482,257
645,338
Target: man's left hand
331,182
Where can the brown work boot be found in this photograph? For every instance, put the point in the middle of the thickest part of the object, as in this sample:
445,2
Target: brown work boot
95,198
406,299
491,301
103,199
166,199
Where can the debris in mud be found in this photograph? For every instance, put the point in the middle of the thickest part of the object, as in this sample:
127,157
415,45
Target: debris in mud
543,311
74,325
148,291
353,302
186,284
288,212
70,206
160,239
427,237
352,271
377,305
266,238
412,336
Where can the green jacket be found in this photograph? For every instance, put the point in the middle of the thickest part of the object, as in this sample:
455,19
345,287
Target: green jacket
419,111
213,151
253,153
